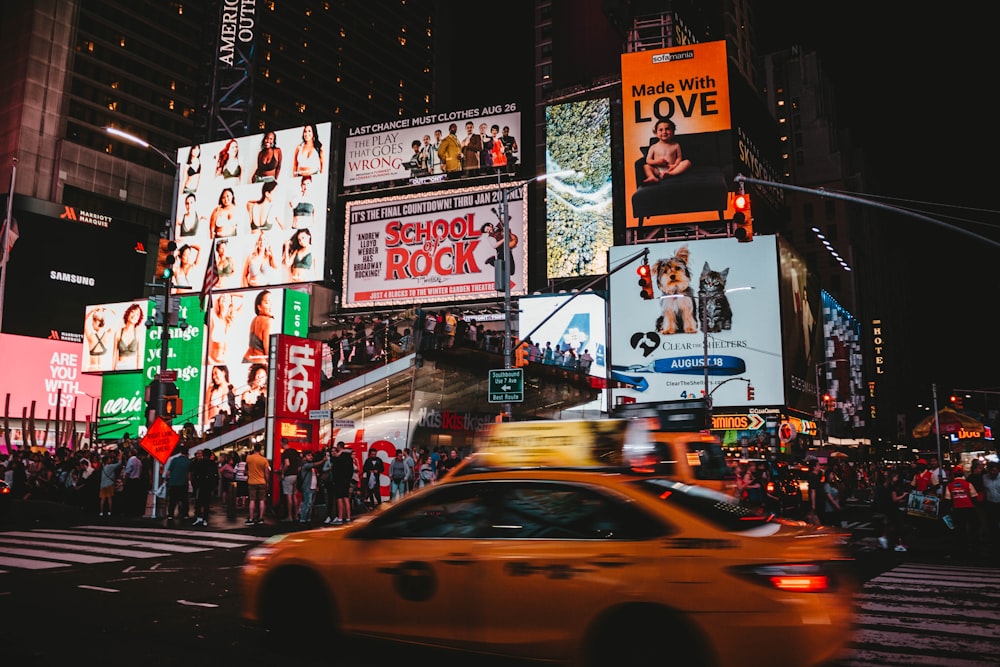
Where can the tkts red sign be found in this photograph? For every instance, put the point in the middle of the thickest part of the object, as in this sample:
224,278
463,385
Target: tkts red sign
297,376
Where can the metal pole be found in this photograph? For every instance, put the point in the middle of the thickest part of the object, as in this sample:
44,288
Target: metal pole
704,361
506,283
6,236
819,409
937,426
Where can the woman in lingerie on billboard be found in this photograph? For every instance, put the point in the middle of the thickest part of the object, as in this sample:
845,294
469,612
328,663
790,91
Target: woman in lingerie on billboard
188,223
224,264
268,159
96,339
263,215
260,330
187,257
254,398
308,158
223,222
261,266
224,309
125,350
227,164
296,254
303,210
220,397
192,170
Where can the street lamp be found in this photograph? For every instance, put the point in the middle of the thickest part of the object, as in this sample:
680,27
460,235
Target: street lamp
165,333
820,412
503,273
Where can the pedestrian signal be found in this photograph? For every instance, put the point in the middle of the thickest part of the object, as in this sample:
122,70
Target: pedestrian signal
645,281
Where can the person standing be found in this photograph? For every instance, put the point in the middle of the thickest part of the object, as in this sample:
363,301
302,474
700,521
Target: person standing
258,468
991,502
372,472
397,477
472,146
290,464
341,475
134,493
450,329
308,484
204,481
450,151
109,476
963,497
177,473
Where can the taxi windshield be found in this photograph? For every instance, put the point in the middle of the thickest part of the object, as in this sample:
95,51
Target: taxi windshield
716,508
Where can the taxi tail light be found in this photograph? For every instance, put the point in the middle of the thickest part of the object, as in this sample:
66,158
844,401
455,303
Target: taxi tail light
792,577
4,490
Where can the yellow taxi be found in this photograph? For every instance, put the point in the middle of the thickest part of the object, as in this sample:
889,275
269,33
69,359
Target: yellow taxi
570,554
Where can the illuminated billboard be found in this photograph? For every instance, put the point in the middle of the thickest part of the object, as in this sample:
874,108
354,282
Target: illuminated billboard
841,373
453,144
43,375
660,345
258,203
579,211
65,258
114,336
293,392
677,135
239,331
433,248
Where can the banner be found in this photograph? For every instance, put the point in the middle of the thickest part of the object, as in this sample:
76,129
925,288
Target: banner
433,248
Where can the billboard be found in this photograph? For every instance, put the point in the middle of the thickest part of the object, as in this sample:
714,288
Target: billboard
476,141
258,203
123,406
801,326
45,373
64,259
660,345
293,392
114,336
579,211
843,380
677,134
240,326
433,248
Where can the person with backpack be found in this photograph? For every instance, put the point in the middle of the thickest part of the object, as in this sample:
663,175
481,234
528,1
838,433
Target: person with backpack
425,471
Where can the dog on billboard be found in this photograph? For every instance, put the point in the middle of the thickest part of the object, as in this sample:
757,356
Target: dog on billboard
674,280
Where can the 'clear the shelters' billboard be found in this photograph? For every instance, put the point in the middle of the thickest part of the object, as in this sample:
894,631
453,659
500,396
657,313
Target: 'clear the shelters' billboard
259,204
677,139
475,141
433,248
659,345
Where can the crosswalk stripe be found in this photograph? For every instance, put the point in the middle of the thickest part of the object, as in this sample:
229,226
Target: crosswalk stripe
124,553
32,564
73,537
162,538
235,537
68,556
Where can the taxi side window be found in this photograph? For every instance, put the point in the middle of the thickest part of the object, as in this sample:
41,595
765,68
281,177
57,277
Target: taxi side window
450,511
567,512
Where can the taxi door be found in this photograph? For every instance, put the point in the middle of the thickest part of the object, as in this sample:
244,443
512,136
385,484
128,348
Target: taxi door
561,553
414,569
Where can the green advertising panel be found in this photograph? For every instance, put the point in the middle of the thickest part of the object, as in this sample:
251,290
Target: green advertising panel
185,355
122,406
296,321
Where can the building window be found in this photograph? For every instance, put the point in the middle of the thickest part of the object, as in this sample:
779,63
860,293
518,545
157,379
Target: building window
807,213
831,209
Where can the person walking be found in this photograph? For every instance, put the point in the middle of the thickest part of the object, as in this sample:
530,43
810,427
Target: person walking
963,497
177,473
397,476
136,489
991,503
372,472
109,478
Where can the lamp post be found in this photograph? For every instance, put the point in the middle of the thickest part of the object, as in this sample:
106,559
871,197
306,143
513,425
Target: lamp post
820,412
165,323
503,272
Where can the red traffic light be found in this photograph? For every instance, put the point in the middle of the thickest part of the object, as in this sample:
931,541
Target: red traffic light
741,202
645,281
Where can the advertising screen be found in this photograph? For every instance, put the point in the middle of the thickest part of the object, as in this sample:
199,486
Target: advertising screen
186,354
677,134
579,211
451,144
840,376
239,331
45,374
427,248
114,336
258,203
64,259
123,406
660,345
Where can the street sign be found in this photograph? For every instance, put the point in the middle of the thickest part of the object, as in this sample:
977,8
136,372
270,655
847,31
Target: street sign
169,375
506,385
320,414
160,440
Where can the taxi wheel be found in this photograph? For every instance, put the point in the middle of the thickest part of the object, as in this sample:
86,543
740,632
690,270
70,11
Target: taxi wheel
625,637
294,604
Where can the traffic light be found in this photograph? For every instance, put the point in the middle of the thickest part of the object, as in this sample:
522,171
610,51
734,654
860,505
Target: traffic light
172,406
749,392
956,402
166,256
645,281
742,221
521,354
827,402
